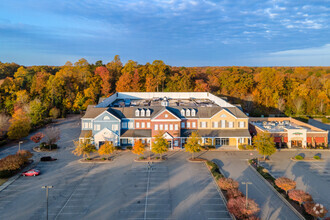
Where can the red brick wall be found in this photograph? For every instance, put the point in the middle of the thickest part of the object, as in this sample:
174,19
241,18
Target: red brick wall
174,133
169,116
140,121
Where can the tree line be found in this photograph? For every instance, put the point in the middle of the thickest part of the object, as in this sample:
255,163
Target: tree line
37,92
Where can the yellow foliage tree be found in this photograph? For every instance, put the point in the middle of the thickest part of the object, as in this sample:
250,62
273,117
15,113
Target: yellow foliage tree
138,147
84,147
106,149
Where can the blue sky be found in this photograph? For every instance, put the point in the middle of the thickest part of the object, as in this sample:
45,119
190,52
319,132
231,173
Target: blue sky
179,32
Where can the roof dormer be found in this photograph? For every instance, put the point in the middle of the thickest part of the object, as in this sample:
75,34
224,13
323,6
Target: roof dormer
183,112
188,112
137,112
148,113
142,112
193,112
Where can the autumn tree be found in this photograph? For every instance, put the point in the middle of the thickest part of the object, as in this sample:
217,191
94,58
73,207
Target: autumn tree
106,149
36,138
264,143
37,111
193,144
138,148
285,183
201,86
54,113
238,208
317,210
158,70
4,123
84,146
233,193
104,73
52,135
160,145
227,183
299,196
20,125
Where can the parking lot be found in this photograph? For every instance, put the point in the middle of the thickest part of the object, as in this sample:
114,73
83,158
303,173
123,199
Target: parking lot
122,189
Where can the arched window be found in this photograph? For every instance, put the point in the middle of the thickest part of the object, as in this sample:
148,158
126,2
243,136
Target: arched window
148,112
137,112
187,112
182,112
106,118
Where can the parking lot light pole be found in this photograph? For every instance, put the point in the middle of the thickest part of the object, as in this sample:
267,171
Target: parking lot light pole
246,198
19,145
47,187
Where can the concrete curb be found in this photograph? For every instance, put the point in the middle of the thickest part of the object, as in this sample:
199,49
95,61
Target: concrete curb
219,190
15,177
307,160
278,194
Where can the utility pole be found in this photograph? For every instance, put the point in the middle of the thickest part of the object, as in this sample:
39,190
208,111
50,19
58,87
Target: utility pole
246,189
19,145
47,187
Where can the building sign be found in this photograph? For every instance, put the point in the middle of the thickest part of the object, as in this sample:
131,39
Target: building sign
297,133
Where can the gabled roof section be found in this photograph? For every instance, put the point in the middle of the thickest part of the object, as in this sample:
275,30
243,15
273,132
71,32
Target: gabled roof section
92,111
164,110
237,112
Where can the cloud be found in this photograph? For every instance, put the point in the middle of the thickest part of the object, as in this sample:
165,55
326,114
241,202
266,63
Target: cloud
313,51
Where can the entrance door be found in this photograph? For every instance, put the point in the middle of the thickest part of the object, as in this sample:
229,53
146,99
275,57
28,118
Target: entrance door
224,141
296,143
169,144
217,142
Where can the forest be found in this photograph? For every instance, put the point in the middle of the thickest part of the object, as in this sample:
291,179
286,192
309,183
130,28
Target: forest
33,94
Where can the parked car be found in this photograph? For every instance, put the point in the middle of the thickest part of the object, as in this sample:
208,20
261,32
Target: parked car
32,172
47,158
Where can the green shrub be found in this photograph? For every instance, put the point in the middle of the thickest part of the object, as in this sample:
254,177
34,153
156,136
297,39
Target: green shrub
103,158
217,176
241,147
118,148
250,147
45,146
326,120
88,158
299,157
141,158
210,163
317,157
129,147
211,147
11,164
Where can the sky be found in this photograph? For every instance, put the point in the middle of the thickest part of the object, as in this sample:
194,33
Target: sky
179,32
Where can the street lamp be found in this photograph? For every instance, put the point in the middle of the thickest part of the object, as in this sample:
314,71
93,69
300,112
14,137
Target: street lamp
19,145
47,187
246,198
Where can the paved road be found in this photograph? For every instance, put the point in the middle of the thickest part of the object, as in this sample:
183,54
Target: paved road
313,177
235,166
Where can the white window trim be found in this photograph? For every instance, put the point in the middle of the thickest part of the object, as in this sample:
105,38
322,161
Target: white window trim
176,127
156,127
171,127
188,124
137,113
166,127
143,125
194,124
137,125
148,124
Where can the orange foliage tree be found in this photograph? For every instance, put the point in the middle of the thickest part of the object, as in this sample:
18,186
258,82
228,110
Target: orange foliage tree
285,183
300,196
227,183
106,149
316,210
237,207
20,125
138,147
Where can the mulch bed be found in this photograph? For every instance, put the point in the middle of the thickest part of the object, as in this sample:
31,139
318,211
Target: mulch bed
96,160
151,160
37,149
196,159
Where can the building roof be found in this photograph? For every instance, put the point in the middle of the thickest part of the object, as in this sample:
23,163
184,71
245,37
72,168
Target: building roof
92,111
83,133
225,133
136,133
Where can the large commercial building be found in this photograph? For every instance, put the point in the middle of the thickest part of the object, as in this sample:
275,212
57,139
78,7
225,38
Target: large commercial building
126,117
289,132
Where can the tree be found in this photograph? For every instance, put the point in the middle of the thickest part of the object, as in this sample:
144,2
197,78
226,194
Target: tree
192,146
285,183
300,196
37,111
20,125
37,137
106,149
52,135
227,183
237,207
160,145
4,123
316,210
104,73
138,147
84,147
264,143
234,193
54,113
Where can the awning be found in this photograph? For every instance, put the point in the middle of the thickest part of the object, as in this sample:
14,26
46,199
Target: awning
225,133
142,133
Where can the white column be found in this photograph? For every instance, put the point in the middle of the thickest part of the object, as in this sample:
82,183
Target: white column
237,143
172,144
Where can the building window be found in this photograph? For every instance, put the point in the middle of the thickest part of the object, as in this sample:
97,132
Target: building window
241,124
194,124
89,125
148,124
193,112
176,143
142,112
182,112
176,127
106,118
166,127
142,125
230,124
187,112
171,127
203,124
241,140
124,141
161,127
156,127
85,125
148,112
166,115
215,124
137,112
115,127
124,125
182,125
97,127
223,116
223,123
143,141
188,124
137,125
130,125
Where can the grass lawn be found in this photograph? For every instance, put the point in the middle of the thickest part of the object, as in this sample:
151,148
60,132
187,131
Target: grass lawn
3,180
